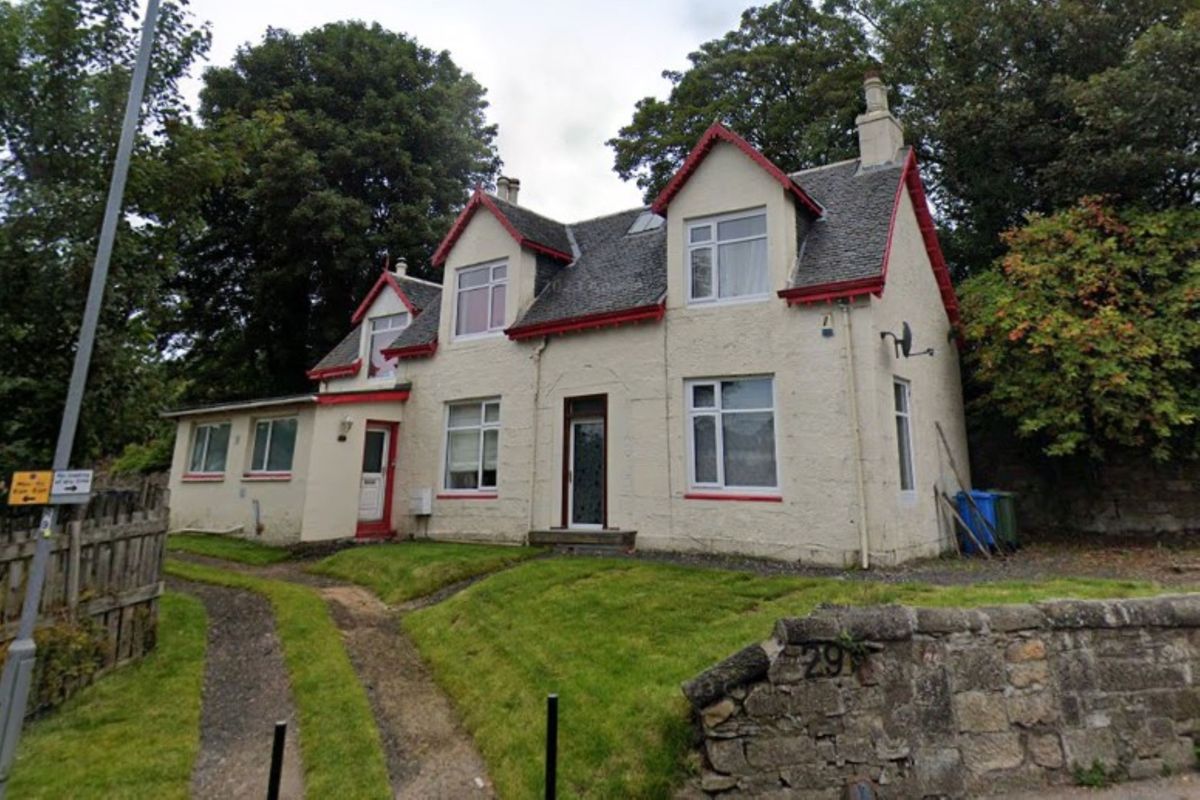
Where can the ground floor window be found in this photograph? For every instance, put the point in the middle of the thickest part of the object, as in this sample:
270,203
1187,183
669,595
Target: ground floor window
210,443
274,445
731,433
903,397
472,444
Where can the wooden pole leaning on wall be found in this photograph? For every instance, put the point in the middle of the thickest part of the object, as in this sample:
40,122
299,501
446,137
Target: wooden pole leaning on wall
954,512
966,487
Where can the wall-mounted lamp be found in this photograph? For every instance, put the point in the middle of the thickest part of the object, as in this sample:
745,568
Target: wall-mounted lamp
344,428
827,326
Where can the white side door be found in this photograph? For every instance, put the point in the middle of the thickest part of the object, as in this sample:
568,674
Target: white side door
373,484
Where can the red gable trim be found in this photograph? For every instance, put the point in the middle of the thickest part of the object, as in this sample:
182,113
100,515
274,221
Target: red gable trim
719,133
345,398
343,371
602,319
412,351
910,179
837,290
480,198
386,278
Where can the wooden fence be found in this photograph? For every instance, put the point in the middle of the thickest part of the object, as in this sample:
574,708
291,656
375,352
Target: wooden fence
105,565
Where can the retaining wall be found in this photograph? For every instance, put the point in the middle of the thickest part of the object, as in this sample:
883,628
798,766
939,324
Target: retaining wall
953,702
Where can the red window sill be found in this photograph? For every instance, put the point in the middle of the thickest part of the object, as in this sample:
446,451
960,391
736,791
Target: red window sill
466,496
267,476
200,477
753,498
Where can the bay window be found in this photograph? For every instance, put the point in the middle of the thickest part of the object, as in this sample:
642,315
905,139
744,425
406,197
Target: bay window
472,445
274,445
727,258
383,331
479,302
731,433
210,444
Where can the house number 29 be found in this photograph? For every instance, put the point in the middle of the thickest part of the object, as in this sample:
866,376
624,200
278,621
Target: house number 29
825,659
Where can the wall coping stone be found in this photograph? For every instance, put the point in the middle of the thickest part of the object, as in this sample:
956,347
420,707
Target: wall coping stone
895,623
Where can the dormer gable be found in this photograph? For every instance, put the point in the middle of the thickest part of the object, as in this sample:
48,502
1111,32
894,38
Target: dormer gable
532,231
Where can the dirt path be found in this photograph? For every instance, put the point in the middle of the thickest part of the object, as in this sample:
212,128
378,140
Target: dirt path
246,691
430,756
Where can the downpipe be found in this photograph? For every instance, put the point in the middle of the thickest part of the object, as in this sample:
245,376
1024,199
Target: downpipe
856,429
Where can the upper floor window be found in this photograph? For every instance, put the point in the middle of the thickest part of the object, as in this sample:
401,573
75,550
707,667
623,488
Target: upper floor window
210,443
479,299
274,445
384,331
731,433
727,257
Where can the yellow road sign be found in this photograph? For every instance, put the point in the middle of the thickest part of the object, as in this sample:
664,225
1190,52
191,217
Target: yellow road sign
30,488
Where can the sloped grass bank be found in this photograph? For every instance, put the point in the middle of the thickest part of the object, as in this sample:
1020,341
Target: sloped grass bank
227,548
339,741
133,734
616,639
404,570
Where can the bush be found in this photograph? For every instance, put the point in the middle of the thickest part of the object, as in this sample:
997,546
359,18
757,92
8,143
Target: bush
154,456
69,654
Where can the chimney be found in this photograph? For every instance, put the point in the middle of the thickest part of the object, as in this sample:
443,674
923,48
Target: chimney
502,187
400,268
880,136
514,186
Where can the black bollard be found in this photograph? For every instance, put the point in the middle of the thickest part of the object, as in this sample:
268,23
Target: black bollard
276,761
551,746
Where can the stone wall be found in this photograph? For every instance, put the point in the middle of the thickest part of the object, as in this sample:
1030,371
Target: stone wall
953,702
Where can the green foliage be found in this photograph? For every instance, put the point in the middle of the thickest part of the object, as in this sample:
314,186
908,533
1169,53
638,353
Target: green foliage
228,548
65,67
69,655
1098,776
1087,334
789,79
338,145
339,743
402,571
135,733
154,456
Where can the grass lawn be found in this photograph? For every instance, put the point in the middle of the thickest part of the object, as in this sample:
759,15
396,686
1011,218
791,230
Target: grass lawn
228,548
135,733
404,570
616,639
339,741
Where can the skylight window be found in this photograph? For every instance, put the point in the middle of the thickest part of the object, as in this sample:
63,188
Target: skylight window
646,221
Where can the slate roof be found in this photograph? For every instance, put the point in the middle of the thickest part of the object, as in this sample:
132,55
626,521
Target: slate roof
423,330
848,241
615,270
426,297
535,227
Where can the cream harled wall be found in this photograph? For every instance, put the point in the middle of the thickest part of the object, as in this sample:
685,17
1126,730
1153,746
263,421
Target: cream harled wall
229,502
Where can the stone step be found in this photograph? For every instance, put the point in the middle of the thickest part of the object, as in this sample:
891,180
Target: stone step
584,541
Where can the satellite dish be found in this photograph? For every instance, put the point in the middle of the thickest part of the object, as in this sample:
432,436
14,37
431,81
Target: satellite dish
903,342
906,340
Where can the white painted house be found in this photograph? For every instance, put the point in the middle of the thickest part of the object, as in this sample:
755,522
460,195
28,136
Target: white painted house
716,372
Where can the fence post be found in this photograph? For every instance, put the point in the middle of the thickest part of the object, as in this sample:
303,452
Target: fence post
551,746
276,761
75,531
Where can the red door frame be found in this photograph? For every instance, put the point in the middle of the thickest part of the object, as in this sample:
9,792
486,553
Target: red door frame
381,528
568,416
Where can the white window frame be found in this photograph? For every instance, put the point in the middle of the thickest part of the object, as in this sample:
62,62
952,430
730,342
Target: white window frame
493,282
712,245
370,333
207,427
483,426
717,411
905,415
253,469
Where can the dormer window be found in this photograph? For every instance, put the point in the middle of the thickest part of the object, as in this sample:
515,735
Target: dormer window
384,331
727,258
479,300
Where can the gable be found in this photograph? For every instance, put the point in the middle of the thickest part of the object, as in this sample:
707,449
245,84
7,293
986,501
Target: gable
532,231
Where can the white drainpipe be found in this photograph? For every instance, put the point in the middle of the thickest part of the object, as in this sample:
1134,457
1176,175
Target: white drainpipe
852,398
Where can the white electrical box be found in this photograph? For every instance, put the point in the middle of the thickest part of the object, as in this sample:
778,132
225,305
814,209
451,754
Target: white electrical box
421,503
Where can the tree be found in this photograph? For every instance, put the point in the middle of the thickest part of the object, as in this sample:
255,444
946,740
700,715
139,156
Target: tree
789,80
1087,334
65,68
343,144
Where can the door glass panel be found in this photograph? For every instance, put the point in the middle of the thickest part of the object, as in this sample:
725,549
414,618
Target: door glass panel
373,452
587,496
587,406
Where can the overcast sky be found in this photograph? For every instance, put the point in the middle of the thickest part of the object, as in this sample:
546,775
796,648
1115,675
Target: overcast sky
561,77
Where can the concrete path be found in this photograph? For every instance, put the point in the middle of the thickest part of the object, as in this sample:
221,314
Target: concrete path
1179,787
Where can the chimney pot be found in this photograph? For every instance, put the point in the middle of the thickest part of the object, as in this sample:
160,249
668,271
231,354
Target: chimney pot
514,186
880,136
400,267
502,187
